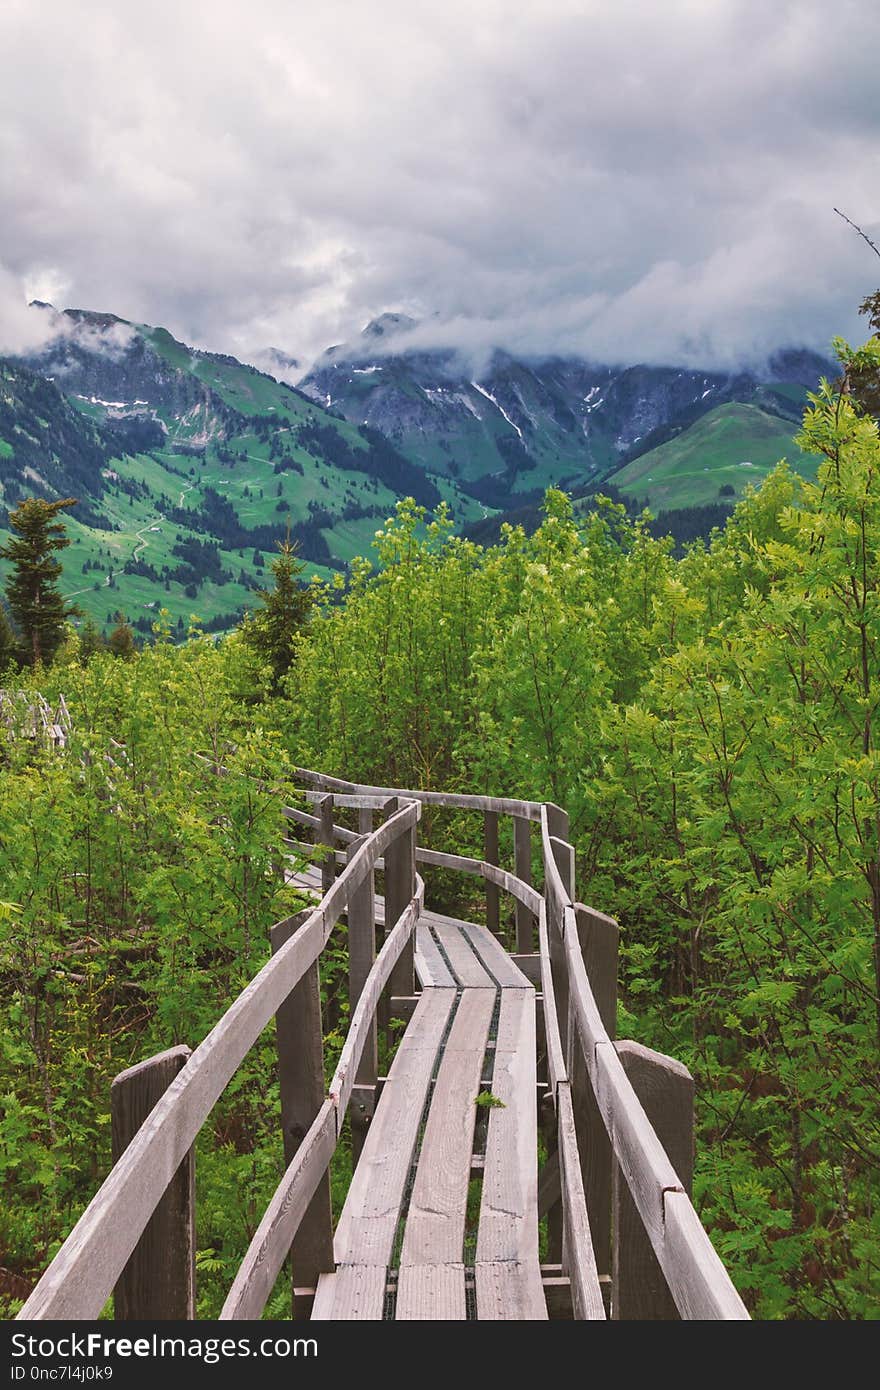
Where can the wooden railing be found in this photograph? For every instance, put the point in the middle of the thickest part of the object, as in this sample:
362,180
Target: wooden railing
607,1105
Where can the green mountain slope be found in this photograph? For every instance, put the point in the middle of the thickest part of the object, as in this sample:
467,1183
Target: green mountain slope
730,447
189,468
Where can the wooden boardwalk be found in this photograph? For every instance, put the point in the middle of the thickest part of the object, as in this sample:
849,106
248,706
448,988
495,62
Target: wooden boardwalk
508,1099
402,1248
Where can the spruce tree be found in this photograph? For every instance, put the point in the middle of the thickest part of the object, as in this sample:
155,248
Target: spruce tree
271,631
32,592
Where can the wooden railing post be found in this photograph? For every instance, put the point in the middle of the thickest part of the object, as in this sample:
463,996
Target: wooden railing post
666,1090
361,954
493,893
300,1044
324,836
400,887
522,867
159,1280
598,936
563,855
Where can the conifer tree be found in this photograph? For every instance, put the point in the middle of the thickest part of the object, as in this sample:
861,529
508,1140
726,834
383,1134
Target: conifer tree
35,601
271,631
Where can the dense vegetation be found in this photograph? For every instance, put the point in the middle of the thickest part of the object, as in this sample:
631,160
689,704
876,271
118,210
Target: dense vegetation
709,721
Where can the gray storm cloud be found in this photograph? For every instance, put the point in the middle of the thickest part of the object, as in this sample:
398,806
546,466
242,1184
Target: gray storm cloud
636,182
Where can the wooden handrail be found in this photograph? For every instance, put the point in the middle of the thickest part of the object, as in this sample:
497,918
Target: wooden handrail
80,1279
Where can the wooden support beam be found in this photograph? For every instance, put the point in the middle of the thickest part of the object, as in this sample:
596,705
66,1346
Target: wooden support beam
598,936
301,1083
666,1090
400,887
493,896
159,1281
324,836
522,858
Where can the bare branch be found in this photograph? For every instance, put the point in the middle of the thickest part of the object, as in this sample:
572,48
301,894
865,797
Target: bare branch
858,229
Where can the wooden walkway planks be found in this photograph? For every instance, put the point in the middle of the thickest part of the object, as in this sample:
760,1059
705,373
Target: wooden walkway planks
353,1293
459,952
431,968
431,1293
508,1291
436,1220
508,1229
367,1226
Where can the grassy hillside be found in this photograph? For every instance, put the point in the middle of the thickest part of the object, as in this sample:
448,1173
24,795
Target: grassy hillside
733,445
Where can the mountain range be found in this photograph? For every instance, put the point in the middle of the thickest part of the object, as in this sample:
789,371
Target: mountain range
190,465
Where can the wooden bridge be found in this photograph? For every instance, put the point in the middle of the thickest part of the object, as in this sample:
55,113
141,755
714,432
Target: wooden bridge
508,1100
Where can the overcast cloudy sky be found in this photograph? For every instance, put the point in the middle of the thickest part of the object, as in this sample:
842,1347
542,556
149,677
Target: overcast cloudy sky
629,180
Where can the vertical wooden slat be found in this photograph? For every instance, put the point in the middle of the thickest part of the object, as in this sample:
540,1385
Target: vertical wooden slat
400,887
324,836
598,937
522,853
361,954
666,1090
158,1282
301,1083
490,854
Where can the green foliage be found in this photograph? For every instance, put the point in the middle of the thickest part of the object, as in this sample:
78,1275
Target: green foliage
487,1101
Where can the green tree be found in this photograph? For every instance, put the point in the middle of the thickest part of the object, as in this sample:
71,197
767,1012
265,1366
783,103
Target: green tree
272,630
35,600
121,640
8,644
91,640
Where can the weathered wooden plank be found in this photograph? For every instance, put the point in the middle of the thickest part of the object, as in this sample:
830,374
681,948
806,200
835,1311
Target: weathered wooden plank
522,892
643,1162
490,851
579,1262
530,966
431,968
400,879
440,860
158,1281
507,1291
436,1218
466,967
361,955
598,939
522,859
268,1250
508,1228
505,806
360,1027
665,1089
494,957
700,1284
431,1293
555,1055
588,1020
365,1234
325,836
355,1293
300,1042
